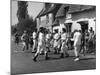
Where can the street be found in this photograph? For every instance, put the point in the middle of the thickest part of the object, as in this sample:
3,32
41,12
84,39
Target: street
22,63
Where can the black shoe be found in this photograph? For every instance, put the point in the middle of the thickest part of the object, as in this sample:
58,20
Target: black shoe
49,51
67,55
46,58
55,52
62,55
34,59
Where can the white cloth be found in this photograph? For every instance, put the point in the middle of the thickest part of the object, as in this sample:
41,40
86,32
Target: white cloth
41,38
63,42
56,36
64,36
34,35
48,36
41,43
77,38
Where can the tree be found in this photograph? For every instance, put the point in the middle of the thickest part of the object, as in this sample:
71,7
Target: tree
25,22
13,29
22,12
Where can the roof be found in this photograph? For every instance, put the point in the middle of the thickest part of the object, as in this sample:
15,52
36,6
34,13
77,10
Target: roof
41,12
87,7
62,10
79,8
56,22
50,9
73,8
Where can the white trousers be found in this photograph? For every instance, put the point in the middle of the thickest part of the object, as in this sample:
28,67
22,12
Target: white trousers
63,47
41,47
77,49
34,45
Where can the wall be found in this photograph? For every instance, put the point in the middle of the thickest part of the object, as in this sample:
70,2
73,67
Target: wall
61,22
44,22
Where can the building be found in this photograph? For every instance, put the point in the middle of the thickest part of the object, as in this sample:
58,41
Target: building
69,16
85,16
74,17
47,16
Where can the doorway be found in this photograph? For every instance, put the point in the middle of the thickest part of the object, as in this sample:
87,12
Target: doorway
84,26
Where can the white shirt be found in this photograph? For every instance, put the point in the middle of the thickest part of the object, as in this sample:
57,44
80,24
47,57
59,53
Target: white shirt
41,39
64,36
56,36
77,38
48,36
41,36
34,35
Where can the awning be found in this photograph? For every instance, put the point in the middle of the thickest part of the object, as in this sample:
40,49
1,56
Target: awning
68,21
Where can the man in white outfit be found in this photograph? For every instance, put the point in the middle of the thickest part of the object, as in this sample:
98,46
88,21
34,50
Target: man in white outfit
56,44
34,35
41,45
25,40
77,44
64,44
47,40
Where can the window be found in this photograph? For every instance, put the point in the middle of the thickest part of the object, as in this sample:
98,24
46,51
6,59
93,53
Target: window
68,27
68,16
47,18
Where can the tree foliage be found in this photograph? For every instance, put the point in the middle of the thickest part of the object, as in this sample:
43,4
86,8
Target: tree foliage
22,12
25,22
13,29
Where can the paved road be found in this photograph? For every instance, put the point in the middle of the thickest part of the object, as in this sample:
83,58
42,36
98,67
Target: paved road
21,62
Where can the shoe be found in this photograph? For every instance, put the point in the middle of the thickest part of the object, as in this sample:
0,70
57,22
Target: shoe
62,55
46,58
49,51
67,55
34,60
55,52
76,59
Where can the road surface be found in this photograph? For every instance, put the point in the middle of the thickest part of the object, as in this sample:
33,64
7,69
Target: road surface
22,63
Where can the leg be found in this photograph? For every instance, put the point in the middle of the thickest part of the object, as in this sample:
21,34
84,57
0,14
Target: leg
46,55
76,51
27,45
24,45
33,48
37,53
62,50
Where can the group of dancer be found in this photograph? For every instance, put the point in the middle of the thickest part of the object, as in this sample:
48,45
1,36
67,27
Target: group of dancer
44,42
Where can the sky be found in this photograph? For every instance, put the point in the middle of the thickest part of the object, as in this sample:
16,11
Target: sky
33,10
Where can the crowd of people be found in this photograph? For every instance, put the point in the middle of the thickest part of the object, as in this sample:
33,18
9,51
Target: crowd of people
44,41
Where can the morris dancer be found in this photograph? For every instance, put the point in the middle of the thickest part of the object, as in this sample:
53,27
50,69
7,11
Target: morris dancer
34,35
77,44
64,44
41,45
56,44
